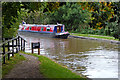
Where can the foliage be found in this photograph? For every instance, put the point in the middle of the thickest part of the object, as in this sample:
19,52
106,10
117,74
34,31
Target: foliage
101,12
116,18
105,15
11,16
72,15
81,17
15,21
9,10
51,6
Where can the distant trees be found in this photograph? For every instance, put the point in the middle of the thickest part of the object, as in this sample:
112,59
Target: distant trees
72,15
105,17
84,17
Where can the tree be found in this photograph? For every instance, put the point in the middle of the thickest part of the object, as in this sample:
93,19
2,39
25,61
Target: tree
10,14
9,11
72,15
116,18
101,12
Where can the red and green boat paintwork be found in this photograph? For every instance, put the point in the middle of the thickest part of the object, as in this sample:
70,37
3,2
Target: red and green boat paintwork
54,30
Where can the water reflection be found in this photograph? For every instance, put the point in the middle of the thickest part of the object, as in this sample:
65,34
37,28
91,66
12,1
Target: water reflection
88,57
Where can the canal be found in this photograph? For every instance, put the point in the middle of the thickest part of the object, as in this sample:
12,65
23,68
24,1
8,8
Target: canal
94,59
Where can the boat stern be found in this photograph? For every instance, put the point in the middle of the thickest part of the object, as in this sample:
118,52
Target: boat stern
63,35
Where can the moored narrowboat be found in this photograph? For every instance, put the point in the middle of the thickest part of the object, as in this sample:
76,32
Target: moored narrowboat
55,30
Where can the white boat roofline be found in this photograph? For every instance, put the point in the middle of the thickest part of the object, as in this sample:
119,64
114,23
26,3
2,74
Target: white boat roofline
50,25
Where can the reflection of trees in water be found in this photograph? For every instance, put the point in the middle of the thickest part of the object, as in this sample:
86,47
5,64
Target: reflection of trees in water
78,45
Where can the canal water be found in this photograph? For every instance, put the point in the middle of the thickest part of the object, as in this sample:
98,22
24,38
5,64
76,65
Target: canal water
94,59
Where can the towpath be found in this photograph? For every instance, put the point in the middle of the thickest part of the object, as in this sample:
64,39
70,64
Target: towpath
26,69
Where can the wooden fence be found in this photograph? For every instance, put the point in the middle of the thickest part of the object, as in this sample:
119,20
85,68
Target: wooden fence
17,44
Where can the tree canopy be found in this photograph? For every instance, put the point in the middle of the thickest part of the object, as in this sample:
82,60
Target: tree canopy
77,16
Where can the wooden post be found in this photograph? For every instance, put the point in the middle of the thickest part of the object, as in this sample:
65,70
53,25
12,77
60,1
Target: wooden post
12,47
39,48
32,47
4,53
8,50
38,51
16,46
8,46
21,45
18,43
24,46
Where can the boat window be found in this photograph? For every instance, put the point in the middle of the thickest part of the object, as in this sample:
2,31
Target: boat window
58,29
41,28
24,28
29,28
48,28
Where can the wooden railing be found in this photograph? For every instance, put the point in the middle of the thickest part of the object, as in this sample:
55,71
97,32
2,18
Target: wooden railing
17,43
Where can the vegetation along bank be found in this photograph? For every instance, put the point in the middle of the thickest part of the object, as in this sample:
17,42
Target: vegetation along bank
95,37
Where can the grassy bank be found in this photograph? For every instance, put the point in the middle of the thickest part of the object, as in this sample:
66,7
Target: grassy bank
10,63
51,69
94,36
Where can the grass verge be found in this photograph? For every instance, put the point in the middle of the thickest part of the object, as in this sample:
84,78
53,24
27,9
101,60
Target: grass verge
51,69
94,36
10,63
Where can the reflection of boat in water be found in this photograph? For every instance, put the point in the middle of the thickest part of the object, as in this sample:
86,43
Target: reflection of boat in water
54,30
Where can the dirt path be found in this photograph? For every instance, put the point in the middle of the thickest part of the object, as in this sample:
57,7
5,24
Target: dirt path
26,69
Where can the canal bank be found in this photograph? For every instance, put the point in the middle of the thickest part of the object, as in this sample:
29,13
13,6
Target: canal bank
38,66
51,69
98,39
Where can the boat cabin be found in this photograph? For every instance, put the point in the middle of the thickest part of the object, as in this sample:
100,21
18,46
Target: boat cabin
43,28
56,30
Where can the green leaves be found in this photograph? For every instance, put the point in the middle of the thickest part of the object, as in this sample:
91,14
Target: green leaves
71,14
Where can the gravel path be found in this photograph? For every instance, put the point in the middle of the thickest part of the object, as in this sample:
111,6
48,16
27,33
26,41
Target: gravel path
26,69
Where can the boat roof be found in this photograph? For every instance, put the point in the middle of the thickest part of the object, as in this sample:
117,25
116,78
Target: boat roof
50,25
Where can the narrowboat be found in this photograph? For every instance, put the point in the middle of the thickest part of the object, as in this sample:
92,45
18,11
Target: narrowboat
56,31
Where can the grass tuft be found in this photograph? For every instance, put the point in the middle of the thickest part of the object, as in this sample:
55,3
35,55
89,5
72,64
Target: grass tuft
53,70
94,36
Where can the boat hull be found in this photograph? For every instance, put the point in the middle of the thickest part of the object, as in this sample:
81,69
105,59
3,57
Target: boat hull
64,36
40,34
